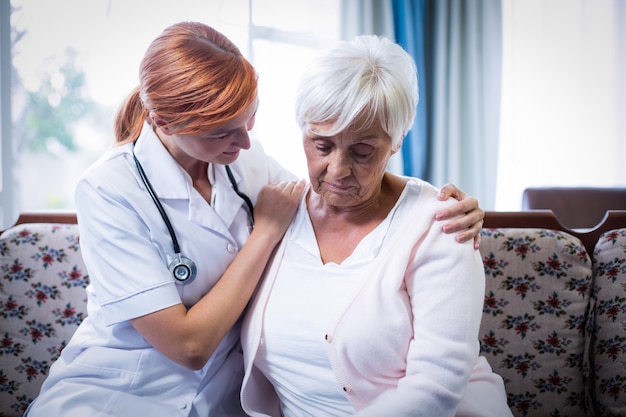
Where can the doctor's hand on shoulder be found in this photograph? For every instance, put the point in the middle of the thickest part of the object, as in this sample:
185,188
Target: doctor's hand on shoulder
276,206
470,222
189,337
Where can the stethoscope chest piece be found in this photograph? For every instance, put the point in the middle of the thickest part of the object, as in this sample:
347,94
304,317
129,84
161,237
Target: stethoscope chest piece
183,269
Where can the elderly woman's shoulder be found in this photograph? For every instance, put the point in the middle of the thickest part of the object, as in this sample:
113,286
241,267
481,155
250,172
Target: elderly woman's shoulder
426,193
417,185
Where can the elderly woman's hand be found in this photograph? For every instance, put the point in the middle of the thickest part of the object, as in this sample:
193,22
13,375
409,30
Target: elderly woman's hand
468,226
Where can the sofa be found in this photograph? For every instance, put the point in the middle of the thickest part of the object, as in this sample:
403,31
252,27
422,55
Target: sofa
554,322
554,317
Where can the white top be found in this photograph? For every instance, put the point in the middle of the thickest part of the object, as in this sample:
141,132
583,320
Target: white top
404,340
108,366
305,297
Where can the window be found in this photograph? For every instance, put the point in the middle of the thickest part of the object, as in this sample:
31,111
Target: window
563,102
562,112
285,35
70,74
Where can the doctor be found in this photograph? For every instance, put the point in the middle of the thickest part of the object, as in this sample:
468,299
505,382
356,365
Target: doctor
176,226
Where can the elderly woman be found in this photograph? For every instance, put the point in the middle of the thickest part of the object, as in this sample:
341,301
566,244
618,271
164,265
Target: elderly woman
367,307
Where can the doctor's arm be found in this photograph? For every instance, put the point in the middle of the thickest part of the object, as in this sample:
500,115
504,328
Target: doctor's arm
189,337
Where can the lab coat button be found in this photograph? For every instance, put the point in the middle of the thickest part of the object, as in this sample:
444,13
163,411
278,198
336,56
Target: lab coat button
230,248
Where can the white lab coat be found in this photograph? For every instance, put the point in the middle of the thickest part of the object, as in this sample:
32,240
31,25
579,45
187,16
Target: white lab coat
108,368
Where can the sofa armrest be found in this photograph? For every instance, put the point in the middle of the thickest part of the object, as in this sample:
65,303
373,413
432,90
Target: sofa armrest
42,302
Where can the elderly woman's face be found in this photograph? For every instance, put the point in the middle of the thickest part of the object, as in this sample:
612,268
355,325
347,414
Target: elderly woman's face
347,169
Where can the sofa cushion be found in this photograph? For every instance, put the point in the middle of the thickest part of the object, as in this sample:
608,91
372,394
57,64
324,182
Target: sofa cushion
42,291
538,287
609,339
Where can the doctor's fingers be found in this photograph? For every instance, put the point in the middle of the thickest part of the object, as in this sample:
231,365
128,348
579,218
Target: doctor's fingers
288,189
294,187
280,199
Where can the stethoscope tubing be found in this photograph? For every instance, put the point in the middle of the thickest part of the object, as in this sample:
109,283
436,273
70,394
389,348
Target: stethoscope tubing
243,196
157,203
184,269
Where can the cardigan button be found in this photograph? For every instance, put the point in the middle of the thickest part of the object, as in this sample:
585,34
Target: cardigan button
347,388
328,338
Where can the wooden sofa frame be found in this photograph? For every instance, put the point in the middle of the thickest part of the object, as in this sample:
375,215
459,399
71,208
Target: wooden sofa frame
613,219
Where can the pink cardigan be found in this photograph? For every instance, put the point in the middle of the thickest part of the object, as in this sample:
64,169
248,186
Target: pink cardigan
406,344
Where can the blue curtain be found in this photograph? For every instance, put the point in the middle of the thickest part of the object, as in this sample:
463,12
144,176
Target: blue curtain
408,21
457,47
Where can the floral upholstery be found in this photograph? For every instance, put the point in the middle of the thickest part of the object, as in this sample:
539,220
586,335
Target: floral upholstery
42,291
553,325
537,300
608,344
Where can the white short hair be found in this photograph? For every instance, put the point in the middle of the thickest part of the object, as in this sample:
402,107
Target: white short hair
369,76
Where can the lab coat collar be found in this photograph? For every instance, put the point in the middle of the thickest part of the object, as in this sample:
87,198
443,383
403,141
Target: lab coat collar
226,202
170,181
167,178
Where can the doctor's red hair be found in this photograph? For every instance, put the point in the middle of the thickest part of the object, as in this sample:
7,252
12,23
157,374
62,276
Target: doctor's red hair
193,78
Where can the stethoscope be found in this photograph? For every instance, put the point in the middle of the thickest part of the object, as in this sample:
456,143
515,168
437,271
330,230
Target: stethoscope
182,268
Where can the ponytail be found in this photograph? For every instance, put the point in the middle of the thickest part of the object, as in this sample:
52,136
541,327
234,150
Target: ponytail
129,118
